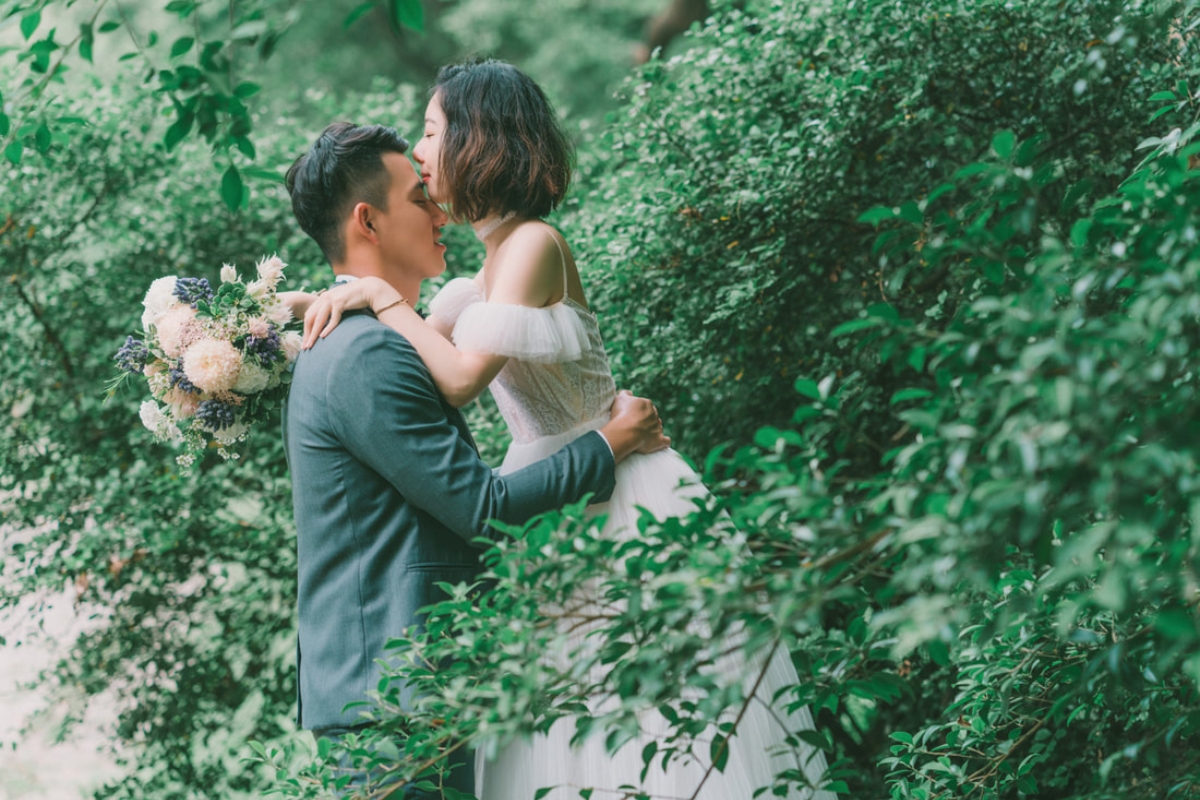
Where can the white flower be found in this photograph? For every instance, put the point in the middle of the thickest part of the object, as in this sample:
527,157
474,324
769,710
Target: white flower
280,314
291,342
252,378
160,298
159,423
231,434
259,290
270,270
212,365
228,274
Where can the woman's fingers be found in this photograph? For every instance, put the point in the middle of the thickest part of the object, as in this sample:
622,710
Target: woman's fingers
335,316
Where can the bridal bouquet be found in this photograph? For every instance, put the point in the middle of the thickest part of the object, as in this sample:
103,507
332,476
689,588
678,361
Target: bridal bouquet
216,361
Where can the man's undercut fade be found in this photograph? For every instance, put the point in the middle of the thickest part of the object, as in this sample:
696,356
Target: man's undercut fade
343,168
504,148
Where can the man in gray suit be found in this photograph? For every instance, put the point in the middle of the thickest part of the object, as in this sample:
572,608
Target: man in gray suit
387,485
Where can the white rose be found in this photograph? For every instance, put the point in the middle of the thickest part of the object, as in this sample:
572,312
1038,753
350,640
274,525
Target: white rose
228,274
158,423
252,378
160,298
270,270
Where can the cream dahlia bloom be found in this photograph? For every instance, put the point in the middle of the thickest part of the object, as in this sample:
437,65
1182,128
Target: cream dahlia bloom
252,378
212,365
175,330
160,298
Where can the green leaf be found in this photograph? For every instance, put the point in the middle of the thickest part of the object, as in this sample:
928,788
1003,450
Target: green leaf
408,14
1003,142
14,151
1160,96
543,791
855,325
178,130
5,125
910,394
246,89
41,138
878,214
263,175
718,752
29,23
181,46
358,13
85,49
808,388
109,27
231,188
1080,231
245,146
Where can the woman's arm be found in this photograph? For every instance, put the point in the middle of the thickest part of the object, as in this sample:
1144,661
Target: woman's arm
528,274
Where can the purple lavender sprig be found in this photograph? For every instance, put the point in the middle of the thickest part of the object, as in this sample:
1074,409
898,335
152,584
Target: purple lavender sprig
267,349
193,290
133,356
180,380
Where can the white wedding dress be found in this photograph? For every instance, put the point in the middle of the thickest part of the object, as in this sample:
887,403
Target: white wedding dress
557,386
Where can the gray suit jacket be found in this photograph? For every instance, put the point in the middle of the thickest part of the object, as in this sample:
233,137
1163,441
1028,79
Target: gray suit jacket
388,491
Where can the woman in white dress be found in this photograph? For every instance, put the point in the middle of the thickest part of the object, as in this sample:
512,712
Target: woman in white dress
494,151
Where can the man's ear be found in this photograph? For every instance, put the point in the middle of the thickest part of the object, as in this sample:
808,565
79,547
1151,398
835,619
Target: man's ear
362,222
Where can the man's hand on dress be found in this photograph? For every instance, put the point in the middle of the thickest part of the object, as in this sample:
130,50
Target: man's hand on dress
634,427
325,311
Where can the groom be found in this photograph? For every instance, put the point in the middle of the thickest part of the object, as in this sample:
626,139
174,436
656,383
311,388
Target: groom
387,485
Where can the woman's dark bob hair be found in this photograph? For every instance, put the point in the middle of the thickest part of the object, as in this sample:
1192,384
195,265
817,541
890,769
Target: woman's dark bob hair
503,148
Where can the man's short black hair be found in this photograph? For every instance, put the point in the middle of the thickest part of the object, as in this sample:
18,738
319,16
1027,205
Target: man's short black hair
343,168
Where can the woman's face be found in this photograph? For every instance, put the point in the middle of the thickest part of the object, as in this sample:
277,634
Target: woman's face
428,151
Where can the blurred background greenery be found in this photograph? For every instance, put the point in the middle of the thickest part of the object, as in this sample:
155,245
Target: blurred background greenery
922,271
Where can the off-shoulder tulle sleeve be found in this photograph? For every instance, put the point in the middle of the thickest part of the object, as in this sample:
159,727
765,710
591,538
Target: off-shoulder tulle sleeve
542,335
456,295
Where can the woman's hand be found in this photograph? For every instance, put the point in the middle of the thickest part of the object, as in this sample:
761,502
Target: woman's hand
325,311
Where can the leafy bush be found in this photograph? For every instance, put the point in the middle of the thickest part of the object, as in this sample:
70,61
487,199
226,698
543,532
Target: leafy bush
195,574
721,220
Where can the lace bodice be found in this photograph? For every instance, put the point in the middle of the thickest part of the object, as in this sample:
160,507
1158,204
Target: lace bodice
557,377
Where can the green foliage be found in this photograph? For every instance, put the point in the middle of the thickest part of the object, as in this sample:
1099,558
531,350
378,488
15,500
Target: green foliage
194,573
924,224
722,213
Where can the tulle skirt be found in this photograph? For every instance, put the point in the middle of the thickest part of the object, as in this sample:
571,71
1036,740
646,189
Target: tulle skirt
665,485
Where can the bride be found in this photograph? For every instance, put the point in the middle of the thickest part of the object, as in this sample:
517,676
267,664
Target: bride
494,152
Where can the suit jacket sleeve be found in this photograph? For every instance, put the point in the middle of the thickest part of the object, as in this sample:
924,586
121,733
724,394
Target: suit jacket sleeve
389,415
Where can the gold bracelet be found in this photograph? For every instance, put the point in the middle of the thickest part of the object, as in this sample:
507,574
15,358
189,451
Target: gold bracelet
390,305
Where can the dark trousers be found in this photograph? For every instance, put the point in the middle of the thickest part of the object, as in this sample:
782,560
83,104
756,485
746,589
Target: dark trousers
460,779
